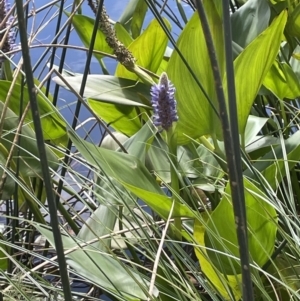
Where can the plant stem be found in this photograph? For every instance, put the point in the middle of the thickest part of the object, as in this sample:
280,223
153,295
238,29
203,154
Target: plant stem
172,143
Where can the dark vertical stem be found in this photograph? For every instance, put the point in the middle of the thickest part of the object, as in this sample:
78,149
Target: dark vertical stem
231,140
42,152
237,187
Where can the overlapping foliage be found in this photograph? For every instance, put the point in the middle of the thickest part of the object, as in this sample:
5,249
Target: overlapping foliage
160,222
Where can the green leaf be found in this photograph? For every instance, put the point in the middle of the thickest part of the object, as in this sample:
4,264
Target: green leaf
249,21
27,152
148,54
287,270
253,141
132,174
110,89
100,223
84,27
123,35
128,12
225,285
272,165
196,117
123,119
102,269
138,144
53,125
293,25
220,234
3,257
252,65
138,18
113,99
282,81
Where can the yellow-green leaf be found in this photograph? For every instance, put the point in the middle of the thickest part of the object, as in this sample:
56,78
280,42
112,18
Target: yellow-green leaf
252,65
223,284
196,117
282,81
148,49
221,238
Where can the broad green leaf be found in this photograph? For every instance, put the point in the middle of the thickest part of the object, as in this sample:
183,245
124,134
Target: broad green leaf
128,12
252,65
225,285
102,269
162,67
123,119
158,162
100,223
132,174
220,234
129,221
110,89
293,24
272,165
249,21
138,144
138,18
282,81
122,35
114,99
147,53
210,165
196,117
84,27
53,125
287,270
253,127
109,143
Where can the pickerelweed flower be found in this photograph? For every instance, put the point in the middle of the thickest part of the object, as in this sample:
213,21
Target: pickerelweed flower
164,103
9,42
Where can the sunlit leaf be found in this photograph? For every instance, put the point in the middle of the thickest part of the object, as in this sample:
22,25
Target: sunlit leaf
84,27
282,81
127,13
253,64
148,54
293,24
226,285
53,125
123,35
113,99
196,117
138,18
220,234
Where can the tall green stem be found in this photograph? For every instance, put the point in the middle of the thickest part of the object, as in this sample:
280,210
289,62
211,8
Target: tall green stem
172,143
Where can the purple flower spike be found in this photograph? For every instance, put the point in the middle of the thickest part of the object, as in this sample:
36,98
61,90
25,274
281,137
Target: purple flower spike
9,43
163,103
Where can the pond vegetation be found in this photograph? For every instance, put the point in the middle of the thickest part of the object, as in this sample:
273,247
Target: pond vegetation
190,188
